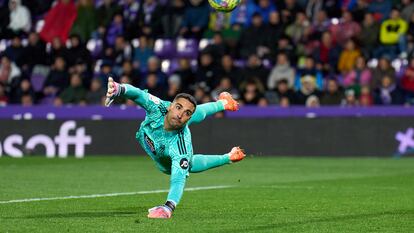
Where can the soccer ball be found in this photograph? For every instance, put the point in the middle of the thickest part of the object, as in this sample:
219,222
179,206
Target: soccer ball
224,5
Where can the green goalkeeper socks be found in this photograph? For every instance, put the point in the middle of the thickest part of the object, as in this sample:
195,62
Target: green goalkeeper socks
201,163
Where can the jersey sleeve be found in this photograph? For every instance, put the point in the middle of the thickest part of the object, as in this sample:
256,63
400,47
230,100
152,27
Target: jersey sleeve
144,99
181,154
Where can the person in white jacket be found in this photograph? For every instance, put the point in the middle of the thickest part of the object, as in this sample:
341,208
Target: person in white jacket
20,19
282,70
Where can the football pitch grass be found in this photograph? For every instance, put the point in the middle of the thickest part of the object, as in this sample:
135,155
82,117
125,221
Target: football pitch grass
264,194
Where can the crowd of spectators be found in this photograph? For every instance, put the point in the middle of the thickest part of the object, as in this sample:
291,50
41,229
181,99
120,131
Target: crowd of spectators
265,52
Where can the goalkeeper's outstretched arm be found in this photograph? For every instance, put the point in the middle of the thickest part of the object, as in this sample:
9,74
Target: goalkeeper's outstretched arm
135,94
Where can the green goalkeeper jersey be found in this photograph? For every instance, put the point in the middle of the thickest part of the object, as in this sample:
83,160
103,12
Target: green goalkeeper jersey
171,150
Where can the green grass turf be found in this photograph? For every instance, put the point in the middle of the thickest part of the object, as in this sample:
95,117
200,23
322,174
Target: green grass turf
269,195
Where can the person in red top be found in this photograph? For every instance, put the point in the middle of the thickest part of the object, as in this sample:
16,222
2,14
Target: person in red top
407,81
59,20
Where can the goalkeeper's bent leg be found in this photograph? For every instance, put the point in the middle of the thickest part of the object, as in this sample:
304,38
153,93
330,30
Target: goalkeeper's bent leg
201,163
205,110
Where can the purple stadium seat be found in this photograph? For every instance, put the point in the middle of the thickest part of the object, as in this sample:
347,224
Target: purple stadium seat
164,48
187,48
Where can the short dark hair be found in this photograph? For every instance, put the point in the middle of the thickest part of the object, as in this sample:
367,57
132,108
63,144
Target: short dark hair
187,97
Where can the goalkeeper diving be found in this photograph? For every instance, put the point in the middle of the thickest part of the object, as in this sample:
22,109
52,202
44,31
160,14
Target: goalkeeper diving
166,138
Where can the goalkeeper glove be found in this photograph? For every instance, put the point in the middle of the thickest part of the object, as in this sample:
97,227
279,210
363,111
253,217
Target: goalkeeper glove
114,89
163,211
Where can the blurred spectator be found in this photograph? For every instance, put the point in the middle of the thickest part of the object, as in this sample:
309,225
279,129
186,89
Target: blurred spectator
407,9
77,51
320,24
285,46
327,53
225,85
300,29
142,53
252,37
346,29
58,78
333,94
283,91
152,84
288,11
172,17
96,94
312,102
149,18
309,68
20,19
282,70
380,8
27,100
308,88
393,36
360,75
217,48
154,67
369,34
313,7
129,70
86,21
384,68
264,7
4,20
115,29
351,99
284,102
359,9
195,19
255,68
4,100
122,52
38,7
252,93
83,70
348,56
388,93
228,69
24,89
58,49
366,98
15,51
130,14
58,21
174,87
75,93
407,81
9,71
207,72
105,72
35,52
200,93
185,74
106,13
242,14
274,30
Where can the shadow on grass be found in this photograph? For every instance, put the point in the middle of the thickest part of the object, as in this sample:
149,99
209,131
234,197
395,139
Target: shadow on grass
126,212
321,220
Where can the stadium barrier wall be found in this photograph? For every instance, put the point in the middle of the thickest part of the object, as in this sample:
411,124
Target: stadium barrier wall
286,136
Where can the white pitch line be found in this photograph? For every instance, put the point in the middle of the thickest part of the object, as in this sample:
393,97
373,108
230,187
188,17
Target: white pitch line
111,194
